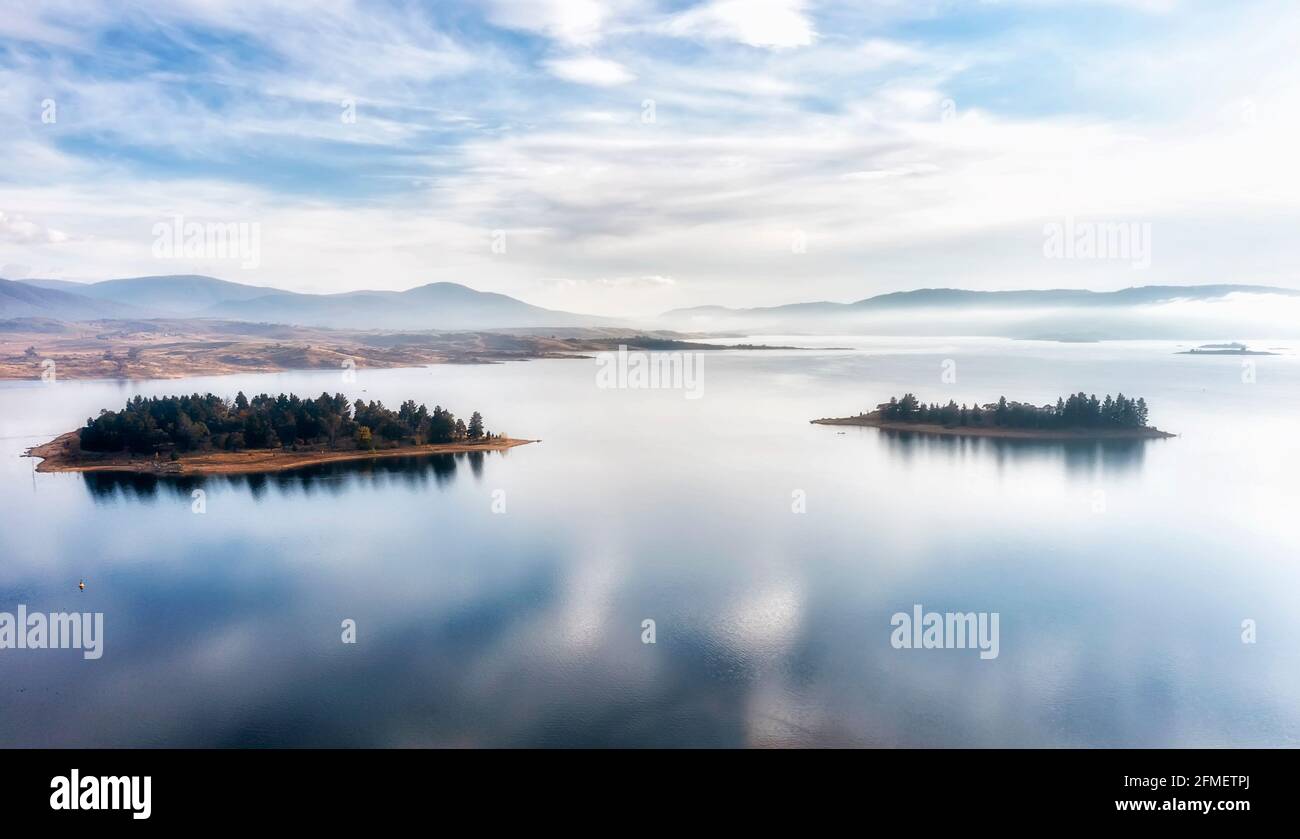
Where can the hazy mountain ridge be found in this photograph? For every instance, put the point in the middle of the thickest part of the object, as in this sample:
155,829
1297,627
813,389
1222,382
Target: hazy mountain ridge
433,306
928,297
177,294
1056,314
22,300
1053,314
439,305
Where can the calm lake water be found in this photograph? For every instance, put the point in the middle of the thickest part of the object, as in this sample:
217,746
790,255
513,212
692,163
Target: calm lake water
1121,573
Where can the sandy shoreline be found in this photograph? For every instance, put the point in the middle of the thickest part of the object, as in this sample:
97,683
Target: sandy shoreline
63,454
873,420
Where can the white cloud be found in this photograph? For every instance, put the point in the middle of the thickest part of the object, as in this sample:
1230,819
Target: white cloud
590,70
577,22
1151,6
19,230
880,52
647,282
841,141
758,23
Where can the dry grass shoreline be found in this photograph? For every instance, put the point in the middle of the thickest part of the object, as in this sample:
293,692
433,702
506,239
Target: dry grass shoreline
874,420
64,454
32,349
137,350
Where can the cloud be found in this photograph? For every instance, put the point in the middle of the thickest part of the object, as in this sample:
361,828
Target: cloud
647,282
576,22
880,52
529,118
589,70
19,230
758,23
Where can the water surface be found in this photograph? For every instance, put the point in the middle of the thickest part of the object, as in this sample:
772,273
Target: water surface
1121,572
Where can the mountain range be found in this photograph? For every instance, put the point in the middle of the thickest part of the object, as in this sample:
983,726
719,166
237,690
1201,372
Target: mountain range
1062,314
923,298
22,300
1058,314
436,306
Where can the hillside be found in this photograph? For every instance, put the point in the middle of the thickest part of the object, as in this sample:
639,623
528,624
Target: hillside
20,300
440,305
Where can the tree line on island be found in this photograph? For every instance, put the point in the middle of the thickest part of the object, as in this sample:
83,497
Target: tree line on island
1078,410
179,424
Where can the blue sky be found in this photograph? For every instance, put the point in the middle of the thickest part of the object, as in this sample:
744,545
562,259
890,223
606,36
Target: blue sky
633,156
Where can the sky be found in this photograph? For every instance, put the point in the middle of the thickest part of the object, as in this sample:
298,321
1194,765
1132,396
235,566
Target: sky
631,156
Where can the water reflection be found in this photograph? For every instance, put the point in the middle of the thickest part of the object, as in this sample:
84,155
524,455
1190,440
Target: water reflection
333,478
1078,457
773,629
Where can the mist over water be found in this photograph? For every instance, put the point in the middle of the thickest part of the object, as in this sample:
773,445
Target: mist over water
1228,317
1122,571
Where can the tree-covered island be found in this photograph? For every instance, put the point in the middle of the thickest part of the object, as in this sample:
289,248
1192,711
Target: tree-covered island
207,433
1078,415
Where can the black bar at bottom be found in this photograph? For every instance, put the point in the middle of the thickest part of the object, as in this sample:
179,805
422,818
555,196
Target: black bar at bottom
333,787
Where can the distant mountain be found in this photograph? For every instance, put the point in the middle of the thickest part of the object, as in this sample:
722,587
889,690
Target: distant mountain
185,295
923,298
441,306
21,300
1136,296
1063,314
433,306
1059,314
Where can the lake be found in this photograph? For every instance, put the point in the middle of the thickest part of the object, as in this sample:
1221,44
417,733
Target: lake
500,599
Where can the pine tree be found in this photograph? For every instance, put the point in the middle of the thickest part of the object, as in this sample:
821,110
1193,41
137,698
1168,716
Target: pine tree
1078,410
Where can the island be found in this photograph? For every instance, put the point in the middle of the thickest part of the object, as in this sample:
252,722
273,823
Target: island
1076,417
1233,348
207,434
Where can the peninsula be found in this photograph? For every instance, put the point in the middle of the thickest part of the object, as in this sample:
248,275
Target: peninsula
1077,417
208,435
43,349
